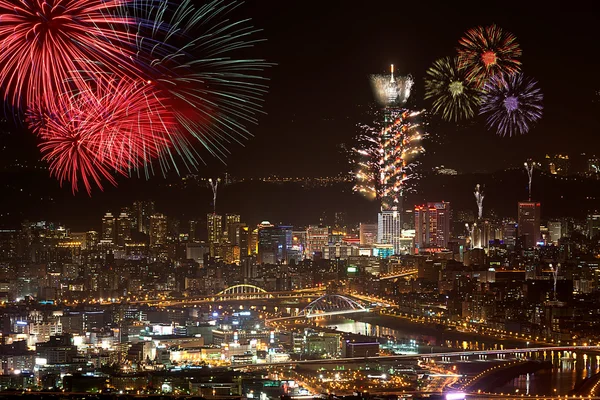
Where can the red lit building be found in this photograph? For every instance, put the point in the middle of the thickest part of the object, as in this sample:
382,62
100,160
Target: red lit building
432,225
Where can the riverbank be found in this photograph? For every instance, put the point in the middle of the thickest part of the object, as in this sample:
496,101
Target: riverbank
434,335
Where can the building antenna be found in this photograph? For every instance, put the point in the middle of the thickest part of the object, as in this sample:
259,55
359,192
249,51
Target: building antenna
529,165
479,196
214,184
471,232
555,275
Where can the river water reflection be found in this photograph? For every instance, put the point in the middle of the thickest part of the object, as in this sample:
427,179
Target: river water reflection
568,369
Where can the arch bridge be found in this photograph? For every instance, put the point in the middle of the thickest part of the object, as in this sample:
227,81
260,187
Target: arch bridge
242,289
331,304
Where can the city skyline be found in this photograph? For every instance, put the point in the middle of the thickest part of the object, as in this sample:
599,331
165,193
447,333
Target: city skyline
409,208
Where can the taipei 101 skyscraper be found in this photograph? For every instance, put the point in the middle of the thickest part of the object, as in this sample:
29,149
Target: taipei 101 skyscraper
395,144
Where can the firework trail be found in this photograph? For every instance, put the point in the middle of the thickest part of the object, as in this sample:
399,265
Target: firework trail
455,96
511,104
529,166
385,156
179,62
388,147
391,91
51,47
479,196
189,54
109,129
488,51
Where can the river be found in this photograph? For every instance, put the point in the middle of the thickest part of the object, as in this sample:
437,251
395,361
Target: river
568,369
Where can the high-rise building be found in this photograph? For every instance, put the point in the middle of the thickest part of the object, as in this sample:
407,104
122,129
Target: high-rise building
158,229
432,225
142,210
214,225
593,224
230,219
389,228
368,234
123,229
192,234
555,231
274,243
91,240
509,233
244,235
317,237
108,227
528,223
233,232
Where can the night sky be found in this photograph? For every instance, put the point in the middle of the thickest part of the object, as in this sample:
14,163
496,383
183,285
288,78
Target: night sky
323,52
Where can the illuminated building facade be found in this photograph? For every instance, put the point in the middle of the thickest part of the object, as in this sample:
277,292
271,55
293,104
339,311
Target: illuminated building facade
317,237
593,225
123,229
368,234
158,229
528,223
273,244
214,225
432,225
108,227
142,210
389,229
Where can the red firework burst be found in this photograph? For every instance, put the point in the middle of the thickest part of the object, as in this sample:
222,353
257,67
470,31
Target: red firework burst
111,129
489,51
49,47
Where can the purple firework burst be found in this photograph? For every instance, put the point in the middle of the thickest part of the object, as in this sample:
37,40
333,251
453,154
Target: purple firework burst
511,104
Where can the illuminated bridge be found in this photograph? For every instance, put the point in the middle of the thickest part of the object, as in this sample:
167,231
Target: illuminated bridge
233,293
399,274
327,305
425,356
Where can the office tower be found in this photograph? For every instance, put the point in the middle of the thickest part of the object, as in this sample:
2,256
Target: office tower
389,229
230,219
214,227
432,225
317,237
509,233
158,229
233,232
123,229
108,228
593,224
274,243
91,240
528,223
253,242
142,210
192,235
368,234
555,231
244,237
